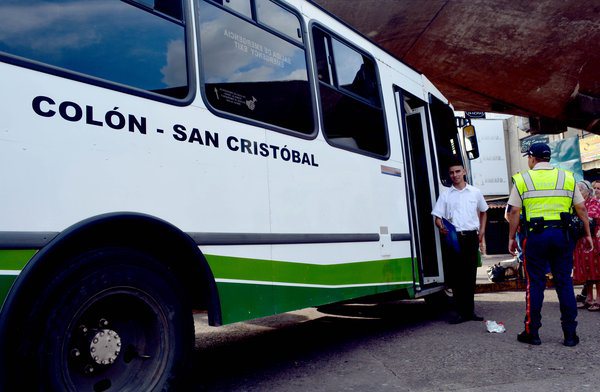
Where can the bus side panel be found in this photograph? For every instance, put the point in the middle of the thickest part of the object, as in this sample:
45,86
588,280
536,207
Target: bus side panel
184,165
243,275
303,275
347,193
68,162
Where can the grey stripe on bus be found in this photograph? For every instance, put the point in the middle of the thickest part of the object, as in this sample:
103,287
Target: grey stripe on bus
37,240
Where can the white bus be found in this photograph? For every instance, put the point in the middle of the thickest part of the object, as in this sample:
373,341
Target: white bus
239,157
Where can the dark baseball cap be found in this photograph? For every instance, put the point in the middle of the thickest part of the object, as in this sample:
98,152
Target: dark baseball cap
538,150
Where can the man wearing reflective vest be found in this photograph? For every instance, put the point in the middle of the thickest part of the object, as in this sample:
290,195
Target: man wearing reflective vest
544,193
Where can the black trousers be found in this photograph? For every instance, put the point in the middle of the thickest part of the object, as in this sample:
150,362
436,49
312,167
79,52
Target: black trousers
464,273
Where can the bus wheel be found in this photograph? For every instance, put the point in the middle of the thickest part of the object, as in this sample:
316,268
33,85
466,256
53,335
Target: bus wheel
116,320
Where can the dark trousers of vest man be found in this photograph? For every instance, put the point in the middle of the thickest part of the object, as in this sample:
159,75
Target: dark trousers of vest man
464,273
549,248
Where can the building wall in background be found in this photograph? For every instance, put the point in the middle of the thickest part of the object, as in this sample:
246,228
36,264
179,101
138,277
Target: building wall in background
490,173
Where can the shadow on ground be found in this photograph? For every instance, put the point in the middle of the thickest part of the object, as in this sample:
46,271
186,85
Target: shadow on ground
404,346
275,345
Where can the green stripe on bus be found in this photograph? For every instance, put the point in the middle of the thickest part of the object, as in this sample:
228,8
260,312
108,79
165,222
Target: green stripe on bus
12,260
15,259
377,271
247,300
6,282
241,302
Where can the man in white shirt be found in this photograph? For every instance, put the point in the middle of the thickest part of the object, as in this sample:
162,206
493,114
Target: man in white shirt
465,208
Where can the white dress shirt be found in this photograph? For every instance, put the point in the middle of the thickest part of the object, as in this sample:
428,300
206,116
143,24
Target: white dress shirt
461,207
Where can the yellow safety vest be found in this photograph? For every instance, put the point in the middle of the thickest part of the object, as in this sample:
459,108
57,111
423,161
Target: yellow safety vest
545,193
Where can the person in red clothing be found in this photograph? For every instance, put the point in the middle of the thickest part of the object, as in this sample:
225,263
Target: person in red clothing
596,186
586,265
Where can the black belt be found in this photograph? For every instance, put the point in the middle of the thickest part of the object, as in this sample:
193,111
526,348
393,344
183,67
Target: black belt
538,226
555,225
466,232
548,227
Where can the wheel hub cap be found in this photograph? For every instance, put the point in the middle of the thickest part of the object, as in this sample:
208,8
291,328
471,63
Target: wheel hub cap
105,346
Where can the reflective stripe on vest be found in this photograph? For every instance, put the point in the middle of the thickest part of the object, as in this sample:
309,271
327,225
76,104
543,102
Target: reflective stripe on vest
545,193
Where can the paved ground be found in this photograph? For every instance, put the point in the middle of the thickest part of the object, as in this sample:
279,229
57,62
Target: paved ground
398,346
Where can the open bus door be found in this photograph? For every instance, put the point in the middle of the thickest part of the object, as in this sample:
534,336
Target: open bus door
430,141
421,185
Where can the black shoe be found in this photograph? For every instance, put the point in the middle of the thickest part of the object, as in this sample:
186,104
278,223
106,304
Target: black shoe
458,320
571,339
475,317
529,338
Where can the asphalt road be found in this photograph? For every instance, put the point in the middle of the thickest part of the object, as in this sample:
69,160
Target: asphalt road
397,346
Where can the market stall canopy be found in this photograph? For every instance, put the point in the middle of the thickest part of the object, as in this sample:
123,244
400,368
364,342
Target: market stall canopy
538,59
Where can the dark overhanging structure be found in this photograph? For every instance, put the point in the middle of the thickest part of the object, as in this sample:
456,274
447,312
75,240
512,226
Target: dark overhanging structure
537,59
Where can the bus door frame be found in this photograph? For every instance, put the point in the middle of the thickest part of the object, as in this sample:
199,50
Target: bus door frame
417,143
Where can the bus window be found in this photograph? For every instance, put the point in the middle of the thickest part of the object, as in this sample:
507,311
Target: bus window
167,7
446,137
324,71
352,114
241,6
112,40
252,73
355,72
279,18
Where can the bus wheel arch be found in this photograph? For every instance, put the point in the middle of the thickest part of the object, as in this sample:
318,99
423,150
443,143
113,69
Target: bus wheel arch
170,255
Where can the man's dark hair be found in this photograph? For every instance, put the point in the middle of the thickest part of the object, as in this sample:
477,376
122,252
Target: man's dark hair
456,161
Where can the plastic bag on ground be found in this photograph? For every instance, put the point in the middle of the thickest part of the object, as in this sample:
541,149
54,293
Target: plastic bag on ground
495,327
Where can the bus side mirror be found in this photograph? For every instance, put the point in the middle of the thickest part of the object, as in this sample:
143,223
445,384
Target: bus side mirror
470,142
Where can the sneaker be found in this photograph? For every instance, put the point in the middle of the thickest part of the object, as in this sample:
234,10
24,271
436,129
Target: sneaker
529,338
571,339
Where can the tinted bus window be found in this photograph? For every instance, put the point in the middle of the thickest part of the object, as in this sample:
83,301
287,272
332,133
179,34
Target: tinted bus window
355,72
352,115
252,73
278,18
167,7
106,39
241,6
322,57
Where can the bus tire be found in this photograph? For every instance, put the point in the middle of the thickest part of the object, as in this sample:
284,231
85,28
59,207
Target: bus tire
116,319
